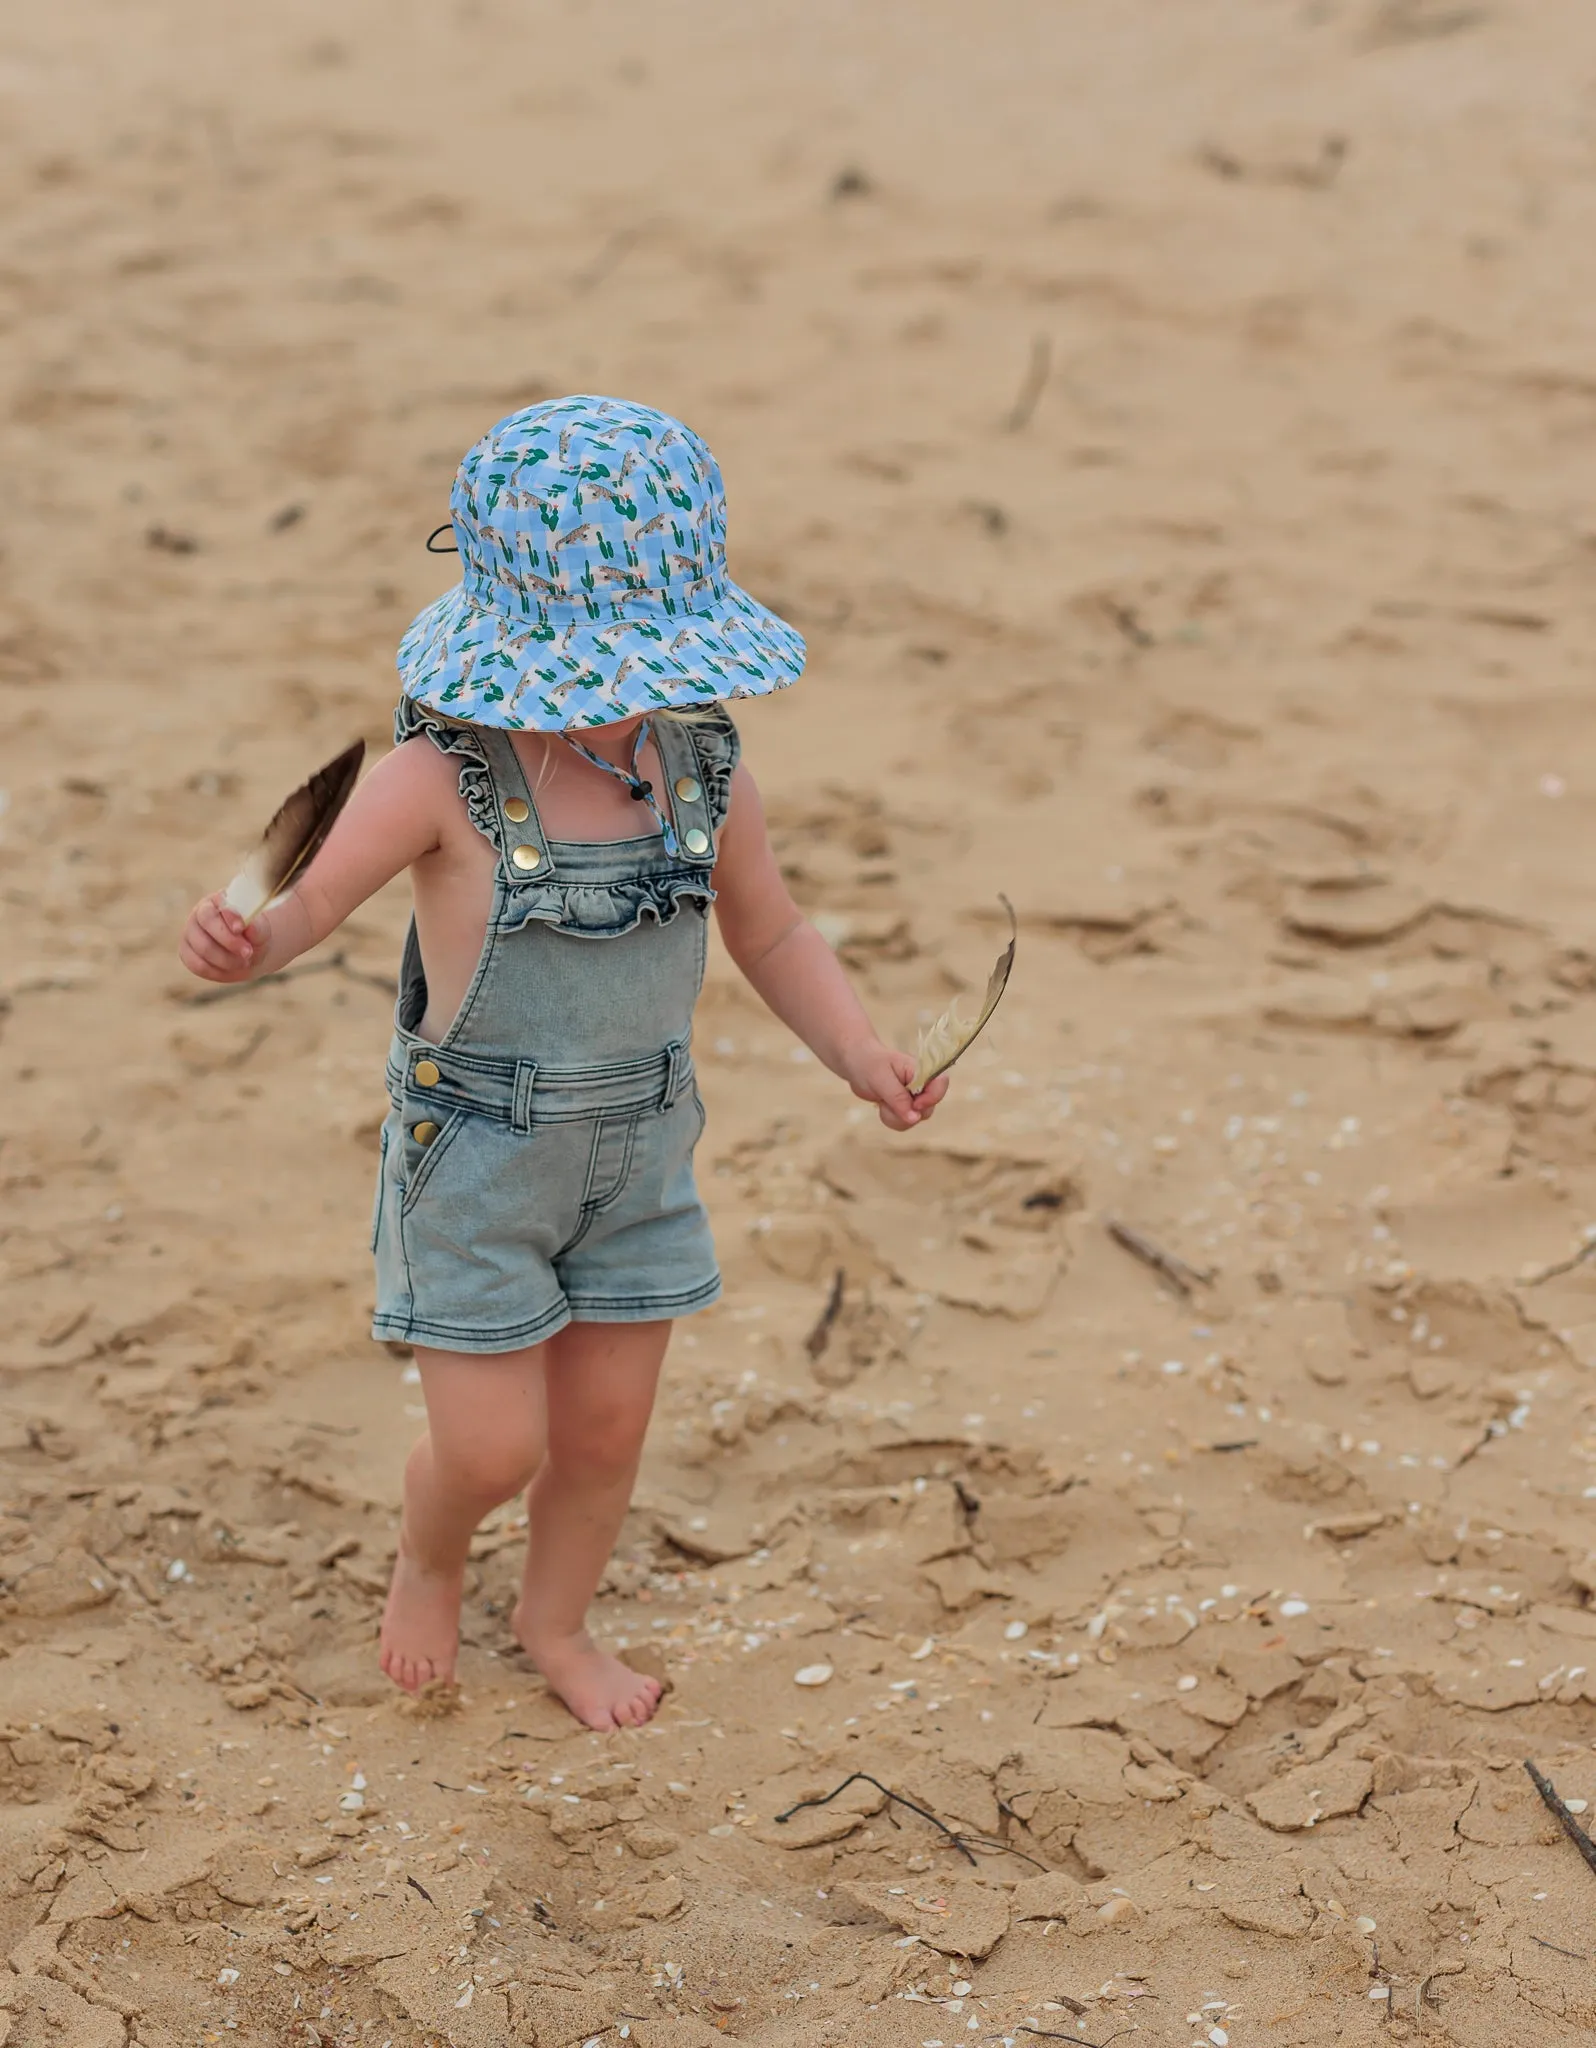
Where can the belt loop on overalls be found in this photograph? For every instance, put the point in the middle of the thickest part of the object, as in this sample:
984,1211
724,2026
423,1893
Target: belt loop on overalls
676,1070
526,855
526,1074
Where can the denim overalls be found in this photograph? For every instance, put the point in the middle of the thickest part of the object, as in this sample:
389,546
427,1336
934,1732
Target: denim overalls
537,1163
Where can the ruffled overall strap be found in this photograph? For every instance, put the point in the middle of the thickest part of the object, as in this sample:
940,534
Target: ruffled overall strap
699,756
493,786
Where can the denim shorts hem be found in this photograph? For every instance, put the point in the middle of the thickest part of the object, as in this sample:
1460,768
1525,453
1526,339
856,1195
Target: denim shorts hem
467,1337
642,1308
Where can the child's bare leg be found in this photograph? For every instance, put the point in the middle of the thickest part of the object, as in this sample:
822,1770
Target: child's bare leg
599,1381
484,1440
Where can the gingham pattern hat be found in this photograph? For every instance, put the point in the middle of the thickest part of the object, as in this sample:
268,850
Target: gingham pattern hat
592,538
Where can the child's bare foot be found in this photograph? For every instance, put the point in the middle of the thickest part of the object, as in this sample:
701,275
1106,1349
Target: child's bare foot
420,1624
599,1689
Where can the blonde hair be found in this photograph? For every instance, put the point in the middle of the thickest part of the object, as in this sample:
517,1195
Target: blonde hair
693,714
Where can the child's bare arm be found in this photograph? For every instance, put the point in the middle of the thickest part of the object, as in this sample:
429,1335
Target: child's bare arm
392,820
796,972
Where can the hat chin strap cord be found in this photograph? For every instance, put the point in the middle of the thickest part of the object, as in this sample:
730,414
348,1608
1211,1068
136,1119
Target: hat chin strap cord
637,788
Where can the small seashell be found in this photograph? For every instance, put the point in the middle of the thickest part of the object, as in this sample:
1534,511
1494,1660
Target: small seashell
924,1650
1219,2037
352,1802
227,1976
1292,1608
1186,1683
1576,1805
1364,1924
813,1674
1118,1910
1015,1631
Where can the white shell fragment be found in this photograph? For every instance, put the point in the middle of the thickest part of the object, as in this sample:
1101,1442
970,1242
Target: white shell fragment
1015,1631
813,1674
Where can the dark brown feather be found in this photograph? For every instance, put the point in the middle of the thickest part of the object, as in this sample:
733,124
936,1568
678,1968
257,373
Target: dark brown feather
296,834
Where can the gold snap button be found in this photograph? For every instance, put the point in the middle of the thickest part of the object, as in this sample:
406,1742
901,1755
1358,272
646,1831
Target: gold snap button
427,1073
517,810
424,1133
696,841
526,857
688,789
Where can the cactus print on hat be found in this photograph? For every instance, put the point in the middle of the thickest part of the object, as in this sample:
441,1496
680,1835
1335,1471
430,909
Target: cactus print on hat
592,538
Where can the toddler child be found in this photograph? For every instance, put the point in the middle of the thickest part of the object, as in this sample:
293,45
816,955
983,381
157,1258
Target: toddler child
566,792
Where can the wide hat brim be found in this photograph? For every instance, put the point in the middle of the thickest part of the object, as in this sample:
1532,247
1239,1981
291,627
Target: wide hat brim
488,666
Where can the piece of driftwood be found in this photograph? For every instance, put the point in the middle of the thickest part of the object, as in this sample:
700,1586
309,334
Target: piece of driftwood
1560,1813
1183,1278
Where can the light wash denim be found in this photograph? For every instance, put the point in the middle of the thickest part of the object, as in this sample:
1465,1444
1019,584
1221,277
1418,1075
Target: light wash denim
537,1163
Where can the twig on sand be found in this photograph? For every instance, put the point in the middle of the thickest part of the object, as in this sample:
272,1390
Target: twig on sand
1555,1272
1033,385
1183,1278
820,1336
1561,1814
1047,2034
609,257
950,1835
1574,1954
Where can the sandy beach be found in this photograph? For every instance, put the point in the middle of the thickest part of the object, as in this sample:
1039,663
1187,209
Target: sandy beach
1165,1486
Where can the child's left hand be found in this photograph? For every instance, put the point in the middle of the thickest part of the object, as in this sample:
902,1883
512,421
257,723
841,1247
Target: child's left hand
877,1074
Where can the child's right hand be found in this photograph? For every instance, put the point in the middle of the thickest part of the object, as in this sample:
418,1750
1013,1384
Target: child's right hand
217,945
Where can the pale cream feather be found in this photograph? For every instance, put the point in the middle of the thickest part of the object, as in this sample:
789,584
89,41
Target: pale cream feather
952,1034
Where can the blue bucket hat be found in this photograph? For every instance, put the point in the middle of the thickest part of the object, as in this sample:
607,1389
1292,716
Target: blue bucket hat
592,539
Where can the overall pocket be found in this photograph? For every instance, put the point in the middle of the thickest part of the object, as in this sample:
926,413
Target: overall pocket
420,1158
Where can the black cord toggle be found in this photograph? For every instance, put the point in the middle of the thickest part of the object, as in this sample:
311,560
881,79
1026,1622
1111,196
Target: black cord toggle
640,792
